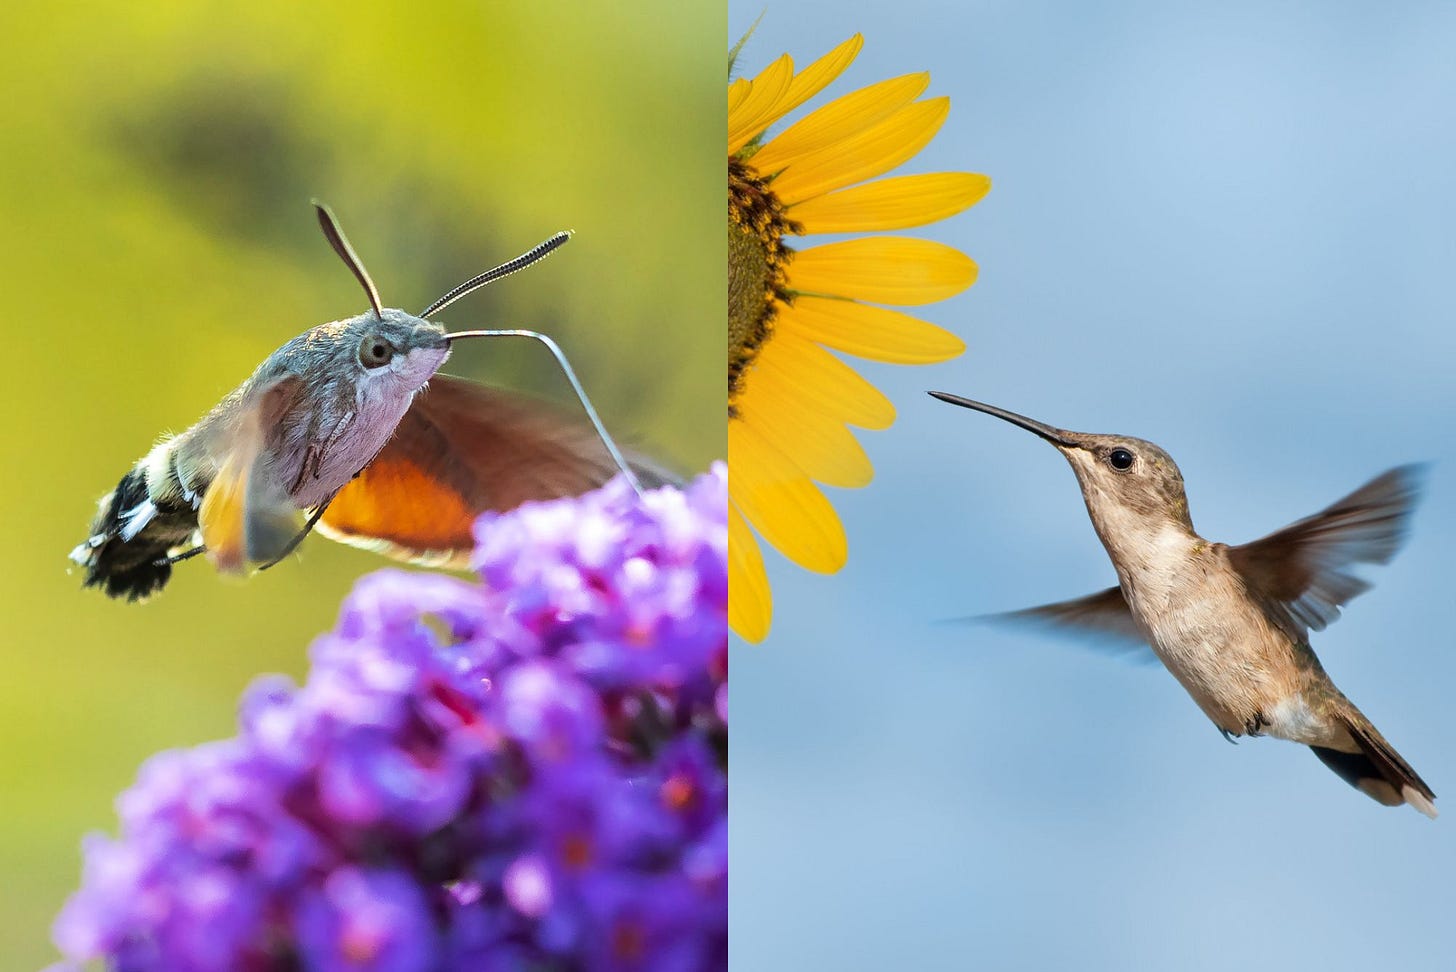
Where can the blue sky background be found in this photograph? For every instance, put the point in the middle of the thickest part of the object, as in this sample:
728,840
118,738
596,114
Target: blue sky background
1228,229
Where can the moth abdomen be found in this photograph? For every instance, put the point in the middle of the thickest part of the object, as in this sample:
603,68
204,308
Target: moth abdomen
132,538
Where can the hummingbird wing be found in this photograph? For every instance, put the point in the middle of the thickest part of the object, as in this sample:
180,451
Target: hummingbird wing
246,515
1103,616
464,448
1303,568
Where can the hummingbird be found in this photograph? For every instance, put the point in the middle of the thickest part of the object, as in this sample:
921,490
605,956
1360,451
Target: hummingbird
1232,623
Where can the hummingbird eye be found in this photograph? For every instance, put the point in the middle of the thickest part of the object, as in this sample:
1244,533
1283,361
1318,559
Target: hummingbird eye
375,352
1120,459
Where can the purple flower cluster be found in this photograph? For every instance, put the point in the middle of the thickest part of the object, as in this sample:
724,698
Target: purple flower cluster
529,772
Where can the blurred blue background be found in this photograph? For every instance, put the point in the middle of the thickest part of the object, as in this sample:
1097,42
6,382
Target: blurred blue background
1228,229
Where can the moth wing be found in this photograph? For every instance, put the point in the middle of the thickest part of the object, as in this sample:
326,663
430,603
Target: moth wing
464,448
246,515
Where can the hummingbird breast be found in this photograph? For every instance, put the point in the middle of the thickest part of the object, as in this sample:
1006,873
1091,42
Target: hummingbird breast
1216,640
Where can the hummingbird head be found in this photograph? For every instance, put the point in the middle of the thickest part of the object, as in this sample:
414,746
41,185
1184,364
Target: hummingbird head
1125,481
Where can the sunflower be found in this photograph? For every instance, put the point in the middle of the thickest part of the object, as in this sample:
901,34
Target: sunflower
790,400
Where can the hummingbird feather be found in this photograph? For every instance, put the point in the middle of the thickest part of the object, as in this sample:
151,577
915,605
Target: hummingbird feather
1303,567
1377,770
1102,618
1230,623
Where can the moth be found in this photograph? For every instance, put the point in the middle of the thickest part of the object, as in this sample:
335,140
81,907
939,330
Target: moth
349,429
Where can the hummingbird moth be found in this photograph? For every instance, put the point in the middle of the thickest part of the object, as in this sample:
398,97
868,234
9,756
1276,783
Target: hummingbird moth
349,430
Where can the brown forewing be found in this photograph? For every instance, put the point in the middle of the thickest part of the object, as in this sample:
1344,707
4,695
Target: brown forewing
463,448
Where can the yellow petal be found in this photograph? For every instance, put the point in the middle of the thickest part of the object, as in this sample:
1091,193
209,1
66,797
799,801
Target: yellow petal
787,509
819,443
820,381
870,153
865,331
737,91
883,270
750,599
840,119
767,89
814,78
892,203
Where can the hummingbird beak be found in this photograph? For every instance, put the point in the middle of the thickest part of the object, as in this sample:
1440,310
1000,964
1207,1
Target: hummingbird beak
1056,437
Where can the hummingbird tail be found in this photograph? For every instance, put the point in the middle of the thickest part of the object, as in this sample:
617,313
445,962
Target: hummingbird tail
1377,770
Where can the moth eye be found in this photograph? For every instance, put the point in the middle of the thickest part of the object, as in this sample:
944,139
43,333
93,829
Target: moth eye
375,352
1120,459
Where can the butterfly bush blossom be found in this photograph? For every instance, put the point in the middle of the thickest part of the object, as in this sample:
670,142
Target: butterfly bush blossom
528,772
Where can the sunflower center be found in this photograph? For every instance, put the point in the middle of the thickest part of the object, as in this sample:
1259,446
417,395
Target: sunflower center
757,269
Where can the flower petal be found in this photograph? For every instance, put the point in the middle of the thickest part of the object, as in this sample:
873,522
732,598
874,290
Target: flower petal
895,203
820,381
788,510
883,270
737,91
872,152
866,331
840,119
763,98
815,78
750,599
820,444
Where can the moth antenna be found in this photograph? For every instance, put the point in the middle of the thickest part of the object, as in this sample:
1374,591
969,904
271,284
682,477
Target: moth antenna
340,243
533,255
560,356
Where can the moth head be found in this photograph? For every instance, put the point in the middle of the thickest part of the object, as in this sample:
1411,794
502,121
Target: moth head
394,347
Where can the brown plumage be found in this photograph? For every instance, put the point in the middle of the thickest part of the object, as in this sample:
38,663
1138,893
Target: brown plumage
1232,623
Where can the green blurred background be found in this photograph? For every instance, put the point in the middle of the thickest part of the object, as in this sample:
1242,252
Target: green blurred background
156,165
